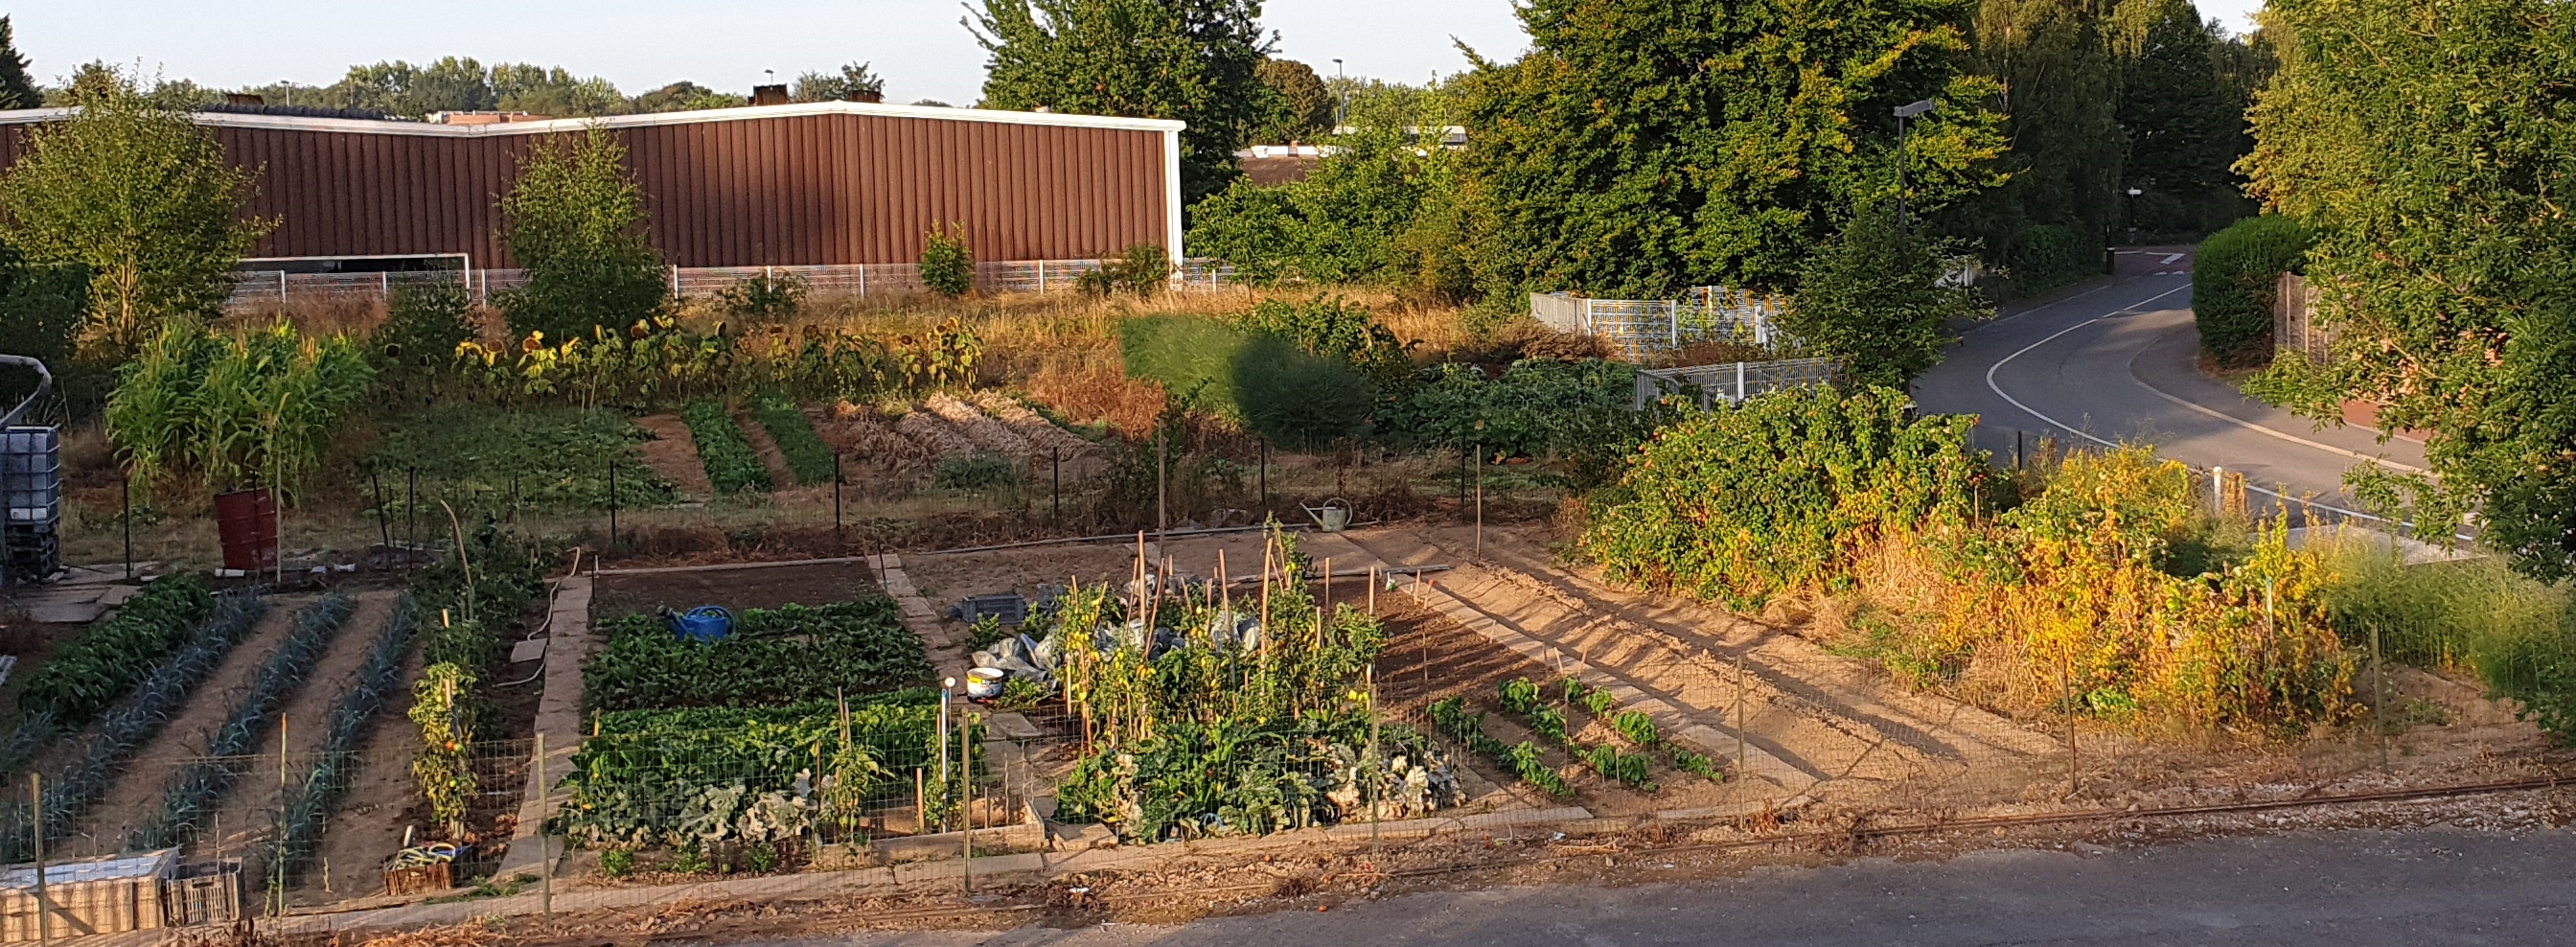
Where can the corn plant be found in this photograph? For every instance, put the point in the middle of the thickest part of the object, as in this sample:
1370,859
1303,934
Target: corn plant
207,410
198,786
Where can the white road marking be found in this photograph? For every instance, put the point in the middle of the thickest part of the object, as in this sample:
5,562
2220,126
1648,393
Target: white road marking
1999,391
2170,257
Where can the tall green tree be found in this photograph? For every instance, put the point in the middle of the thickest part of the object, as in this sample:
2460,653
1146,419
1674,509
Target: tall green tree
1297,105
2184,126
1646,145
575,220
1192,60
2434,146
16,90
1379,209
144,200
1873,299
2059,89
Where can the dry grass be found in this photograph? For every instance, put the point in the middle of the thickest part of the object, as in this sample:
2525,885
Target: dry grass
337,316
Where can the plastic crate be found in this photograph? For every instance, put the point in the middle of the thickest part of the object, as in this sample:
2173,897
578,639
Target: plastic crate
31,477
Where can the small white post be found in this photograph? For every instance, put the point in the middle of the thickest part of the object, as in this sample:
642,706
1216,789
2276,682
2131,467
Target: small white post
1041,277
863,281
2217,490
281,286
675,281
1739,383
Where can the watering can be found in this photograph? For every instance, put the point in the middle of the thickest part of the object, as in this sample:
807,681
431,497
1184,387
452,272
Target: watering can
705,623
1330,518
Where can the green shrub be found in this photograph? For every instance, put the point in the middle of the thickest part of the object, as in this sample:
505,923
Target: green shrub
731,464
423,325
1743,504
575,219
982,470
1578,411
1872,299
1331,327
1191,357
2045,257
947,266
1297,399
1143,270
2233,282
763,299
807,456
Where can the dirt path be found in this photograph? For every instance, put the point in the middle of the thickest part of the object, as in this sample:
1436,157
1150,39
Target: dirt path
1833,720
383,798
674,455
308,715
767,448
136,796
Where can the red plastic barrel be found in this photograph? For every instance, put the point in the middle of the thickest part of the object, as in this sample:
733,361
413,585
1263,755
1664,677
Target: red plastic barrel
247,522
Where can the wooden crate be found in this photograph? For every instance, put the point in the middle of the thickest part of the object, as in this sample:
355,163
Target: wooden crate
418,879
204,893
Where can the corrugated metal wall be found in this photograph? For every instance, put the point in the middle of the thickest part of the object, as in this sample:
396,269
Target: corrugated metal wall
793,190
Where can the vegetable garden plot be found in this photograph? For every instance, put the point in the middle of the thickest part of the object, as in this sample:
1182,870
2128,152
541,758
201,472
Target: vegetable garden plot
1212,713
105,663
774,655
695,777
476,456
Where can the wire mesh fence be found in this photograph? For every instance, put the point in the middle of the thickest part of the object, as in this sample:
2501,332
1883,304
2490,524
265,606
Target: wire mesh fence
1643,329
1733,382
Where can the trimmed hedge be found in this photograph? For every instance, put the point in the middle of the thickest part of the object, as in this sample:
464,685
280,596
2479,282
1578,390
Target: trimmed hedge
2233,280
2047,256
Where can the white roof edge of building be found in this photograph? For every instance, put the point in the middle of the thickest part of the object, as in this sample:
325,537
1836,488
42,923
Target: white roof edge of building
379,127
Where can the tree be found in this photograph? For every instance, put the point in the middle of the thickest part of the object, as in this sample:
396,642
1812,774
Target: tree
553,91
16,90
685,96
2432,144
1646,145
142,198
1872,298
853,83
1296,106
2184,127
1190,60
2059,90
575,220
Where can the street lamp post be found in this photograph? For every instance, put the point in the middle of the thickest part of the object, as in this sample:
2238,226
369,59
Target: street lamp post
1903,112
2133,215
1341,97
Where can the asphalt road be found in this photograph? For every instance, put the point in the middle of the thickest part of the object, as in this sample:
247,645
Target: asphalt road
2328,889
2115,363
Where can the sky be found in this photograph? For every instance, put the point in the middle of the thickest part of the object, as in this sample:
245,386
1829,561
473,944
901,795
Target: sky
918,45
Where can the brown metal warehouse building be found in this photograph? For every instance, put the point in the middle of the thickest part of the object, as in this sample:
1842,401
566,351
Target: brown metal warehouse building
820,183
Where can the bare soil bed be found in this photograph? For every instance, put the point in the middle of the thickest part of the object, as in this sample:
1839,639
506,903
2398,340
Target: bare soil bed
674,455
736,589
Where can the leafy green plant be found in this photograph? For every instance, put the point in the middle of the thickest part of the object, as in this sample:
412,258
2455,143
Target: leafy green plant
1599,703
947,266
1783,493
424,324
731,464
482,458
1580,411
1629,769
442,765
1451,717
1143,270
2234,277
104,664
766,298
616,861
1874,299
1519,696
807,456
1636,726
212,410
982,470
693,776
791,653
1694,763
2047,256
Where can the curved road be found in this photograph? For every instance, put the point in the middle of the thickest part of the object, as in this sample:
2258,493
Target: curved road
2115,364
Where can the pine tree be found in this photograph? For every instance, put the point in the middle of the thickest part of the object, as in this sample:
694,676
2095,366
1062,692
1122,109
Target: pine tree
16,92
